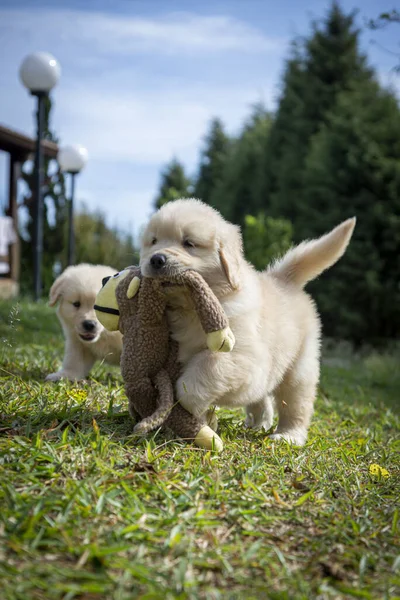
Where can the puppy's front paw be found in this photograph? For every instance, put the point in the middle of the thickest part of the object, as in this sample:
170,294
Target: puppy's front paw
221,341
55,376
61,375
297,438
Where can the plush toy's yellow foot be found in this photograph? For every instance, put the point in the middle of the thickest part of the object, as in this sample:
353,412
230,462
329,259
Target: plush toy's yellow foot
207,438
221,341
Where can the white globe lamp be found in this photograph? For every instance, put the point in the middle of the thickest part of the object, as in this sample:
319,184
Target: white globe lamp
40,72
72,159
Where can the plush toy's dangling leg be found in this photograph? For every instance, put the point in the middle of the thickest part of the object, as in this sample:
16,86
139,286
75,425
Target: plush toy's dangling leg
165,403
207,438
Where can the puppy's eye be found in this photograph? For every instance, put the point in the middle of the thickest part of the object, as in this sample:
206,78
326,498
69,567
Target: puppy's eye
76,304
116,275
153,241
188,244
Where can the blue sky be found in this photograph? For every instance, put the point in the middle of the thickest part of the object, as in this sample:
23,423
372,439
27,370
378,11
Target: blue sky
142,78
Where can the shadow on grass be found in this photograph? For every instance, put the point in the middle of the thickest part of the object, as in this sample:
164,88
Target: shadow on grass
34,373
115,424
52,423
35,367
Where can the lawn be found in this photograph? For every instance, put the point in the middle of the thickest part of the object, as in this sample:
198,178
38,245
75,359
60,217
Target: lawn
89,512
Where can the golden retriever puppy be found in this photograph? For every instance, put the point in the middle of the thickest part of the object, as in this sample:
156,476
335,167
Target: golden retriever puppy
275,323
86,340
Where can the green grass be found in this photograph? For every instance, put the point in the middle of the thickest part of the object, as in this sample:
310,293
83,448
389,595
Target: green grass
89,512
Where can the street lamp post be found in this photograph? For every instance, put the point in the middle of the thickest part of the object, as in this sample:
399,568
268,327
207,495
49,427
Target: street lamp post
72,159
39,73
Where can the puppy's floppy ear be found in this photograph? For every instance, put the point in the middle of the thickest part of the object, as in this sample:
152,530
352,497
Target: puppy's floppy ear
56,291
231,254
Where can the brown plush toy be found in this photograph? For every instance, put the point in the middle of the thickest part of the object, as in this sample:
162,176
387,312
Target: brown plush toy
136,306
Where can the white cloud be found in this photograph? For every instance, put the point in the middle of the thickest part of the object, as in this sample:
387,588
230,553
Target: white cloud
125,34
151,126
130,110
136,91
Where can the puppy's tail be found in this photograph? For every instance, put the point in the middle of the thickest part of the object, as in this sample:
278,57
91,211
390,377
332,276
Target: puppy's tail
309,259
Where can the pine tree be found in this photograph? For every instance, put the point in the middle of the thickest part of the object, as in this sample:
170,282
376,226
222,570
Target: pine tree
212,162
265,239
174,184
284,143
321,67
239,190
97,243
54,218
353,168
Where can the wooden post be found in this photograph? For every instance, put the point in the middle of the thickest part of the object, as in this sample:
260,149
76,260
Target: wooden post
15,173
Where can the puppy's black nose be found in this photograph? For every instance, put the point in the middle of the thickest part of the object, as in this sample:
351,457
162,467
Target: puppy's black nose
158,261
104,280
89,325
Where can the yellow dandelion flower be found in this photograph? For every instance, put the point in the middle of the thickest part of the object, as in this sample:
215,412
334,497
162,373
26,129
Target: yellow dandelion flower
378,471
77,395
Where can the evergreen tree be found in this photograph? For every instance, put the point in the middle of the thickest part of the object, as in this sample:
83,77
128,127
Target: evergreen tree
321,67
54,218
239,190
174,184
97,243
212,162
265,239
332,151
353,168
284,143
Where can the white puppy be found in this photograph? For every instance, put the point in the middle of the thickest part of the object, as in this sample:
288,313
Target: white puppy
275,323
85,338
